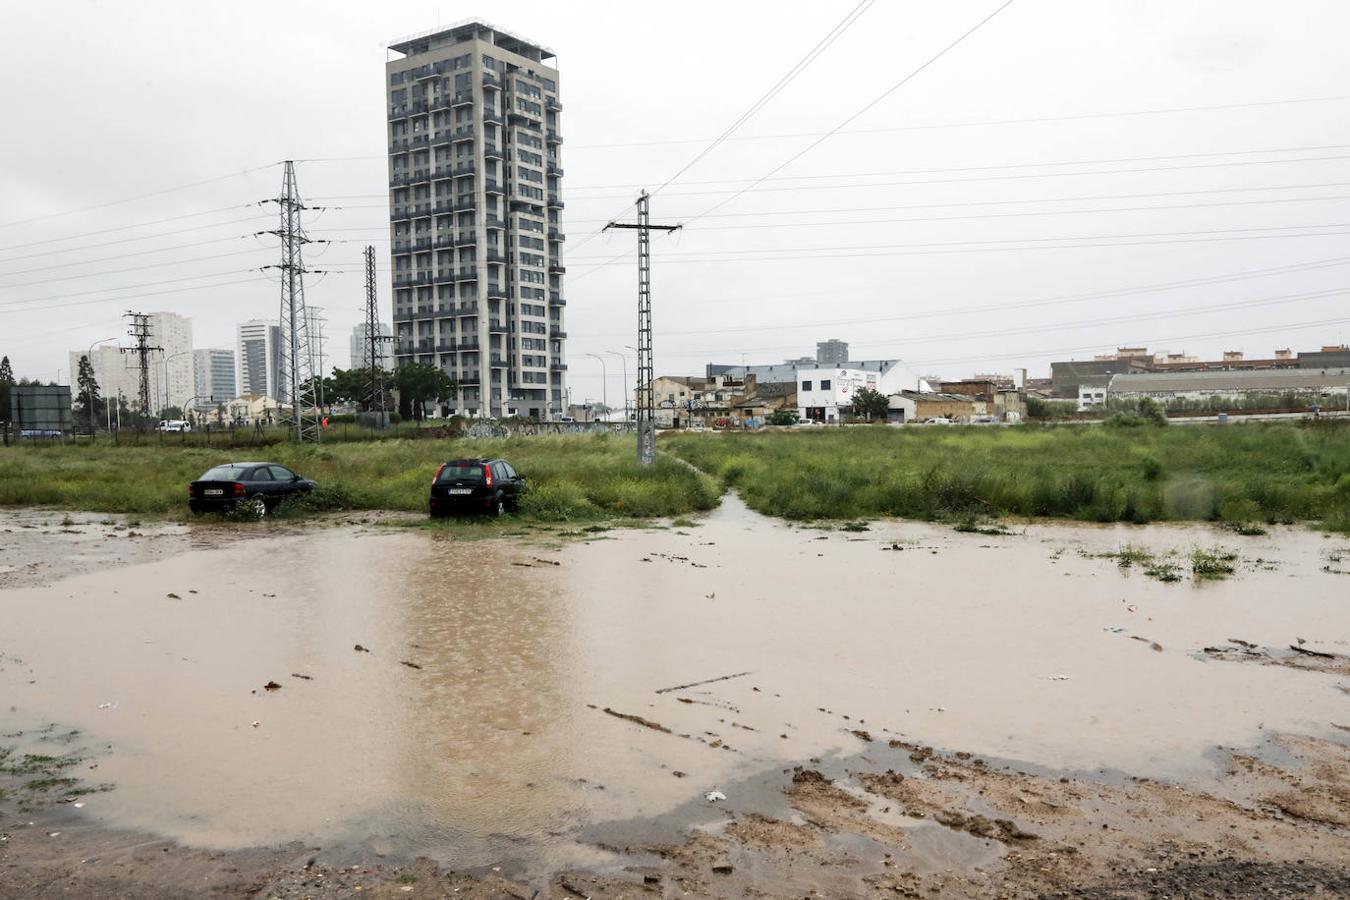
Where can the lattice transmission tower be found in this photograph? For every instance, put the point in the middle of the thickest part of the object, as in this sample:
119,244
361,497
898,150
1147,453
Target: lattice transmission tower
297,371
375,399
139,330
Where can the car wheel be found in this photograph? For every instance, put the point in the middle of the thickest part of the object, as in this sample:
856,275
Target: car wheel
257,505
501,508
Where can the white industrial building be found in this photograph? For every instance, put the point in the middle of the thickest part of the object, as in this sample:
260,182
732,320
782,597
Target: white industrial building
823,392
1232,384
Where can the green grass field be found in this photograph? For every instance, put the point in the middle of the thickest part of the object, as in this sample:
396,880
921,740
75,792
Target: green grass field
572,478
1241,474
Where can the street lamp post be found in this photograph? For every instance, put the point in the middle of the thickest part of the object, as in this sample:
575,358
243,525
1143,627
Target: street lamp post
164,367
623,359
604,381
89,391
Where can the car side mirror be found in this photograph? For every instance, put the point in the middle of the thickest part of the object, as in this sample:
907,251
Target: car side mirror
521,477
295,478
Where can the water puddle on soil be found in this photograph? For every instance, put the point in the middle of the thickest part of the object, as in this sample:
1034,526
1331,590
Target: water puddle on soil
473,728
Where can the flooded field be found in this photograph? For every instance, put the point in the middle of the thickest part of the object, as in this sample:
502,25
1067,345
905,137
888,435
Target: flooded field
535,703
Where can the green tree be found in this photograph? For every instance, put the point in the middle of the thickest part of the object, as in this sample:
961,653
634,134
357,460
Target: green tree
782,417
90,399
6,382
870,404
418,383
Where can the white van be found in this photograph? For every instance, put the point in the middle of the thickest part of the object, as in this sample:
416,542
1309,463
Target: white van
175,425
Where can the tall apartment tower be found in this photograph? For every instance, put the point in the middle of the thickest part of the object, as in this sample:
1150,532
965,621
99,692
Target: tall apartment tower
833,352
214,377
475,206
259,344
360,347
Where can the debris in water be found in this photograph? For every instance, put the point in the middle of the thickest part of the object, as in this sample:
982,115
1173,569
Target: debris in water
1115,629
723,868
255,724
173,596
680,687
271,686
1153,645
1304,650
411,665
109,705
359,649
677,773
714,796
862,735
1059,677
637,720
302,677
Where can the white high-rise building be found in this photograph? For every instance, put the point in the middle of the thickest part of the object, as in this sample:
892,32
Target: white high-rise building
214,377
170,367
259,358
384,350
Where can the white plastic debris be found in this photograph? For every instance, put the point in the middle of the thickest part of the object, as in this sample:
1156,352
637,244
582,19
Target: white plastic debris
109,705
714,796
1059,677
255,724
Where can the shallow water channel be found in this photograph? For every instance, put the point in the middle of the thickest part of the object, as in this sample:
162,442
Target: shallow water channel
494,743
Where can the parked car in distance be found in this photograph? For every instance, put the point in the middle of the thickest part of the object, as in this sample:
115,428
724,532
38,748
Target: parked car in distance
490,486
258,486
175,425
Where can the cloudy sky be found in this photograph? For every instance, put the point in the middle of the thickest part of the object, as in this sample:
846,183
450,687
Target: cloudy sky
1074,176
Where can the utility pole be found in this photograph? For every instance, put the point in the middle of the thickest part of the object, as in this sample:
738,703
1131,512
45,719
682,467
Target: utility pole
624,360
297,358
139,330
604,382
646,408
375,387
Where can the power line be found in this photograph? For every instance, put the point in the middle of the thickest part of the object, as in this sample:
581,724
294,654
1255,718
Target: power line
98,231
159,193
134,268
800,66
130,240
985,123
46,301
86,262
1054,300
869,105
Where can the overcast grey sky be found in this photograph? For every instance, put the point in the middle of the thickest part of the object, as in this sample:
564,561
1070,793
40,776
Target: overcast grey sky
967,204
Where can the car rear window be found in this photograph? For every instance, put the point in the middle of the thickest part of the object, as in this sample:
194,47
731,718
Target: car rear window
224,473
454,472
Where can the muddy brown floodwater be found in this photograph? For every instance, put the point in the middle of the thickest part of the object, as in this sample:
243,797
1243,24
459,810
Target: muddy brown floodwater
517,708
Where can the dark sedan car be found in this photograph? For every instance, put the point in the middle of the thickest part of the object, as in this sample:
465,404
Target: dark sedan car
476,485
258,486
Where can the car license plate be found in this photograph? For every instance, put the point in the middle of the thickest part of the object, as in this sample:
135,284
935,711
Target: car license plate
460,491
213,492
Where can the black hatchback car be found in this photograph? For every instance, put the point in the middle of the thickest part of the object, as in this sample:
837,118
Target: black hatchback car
476,485
259,486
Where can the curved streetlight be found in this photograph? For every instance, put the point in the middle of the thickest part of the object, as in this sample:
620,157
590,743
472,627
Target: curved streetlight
164,367
89,391
604,381
623,359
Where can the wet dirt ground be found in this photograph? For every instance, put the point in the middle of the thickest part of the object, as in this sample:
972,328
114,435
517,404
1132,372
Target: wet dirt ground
903,710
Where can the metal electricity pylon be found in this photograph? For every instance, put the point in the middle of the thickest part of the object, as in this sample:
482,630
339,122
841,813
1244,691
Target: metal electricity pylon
297,356
371,351
646,407
316,346
139,330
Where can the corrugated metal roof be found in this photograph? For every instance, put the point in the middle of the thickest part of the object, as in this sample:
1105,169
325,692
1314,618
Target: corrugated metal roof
1237,380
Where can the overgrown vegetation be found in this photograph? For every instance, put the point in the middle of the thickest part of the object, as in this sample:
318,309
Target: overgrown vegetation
1250,474
571,477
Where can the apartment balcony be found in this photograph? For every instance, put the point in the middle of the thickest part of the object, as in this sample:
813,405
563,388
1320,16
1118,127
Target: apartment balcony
400,180
496,292
556,269
424,278
401,247
492,118
553,137
469,377
443,208
468,309
465,168
556,299
418,107
403,281
558,366
421,210
553,104
443,137
440,173
400,213
444,243
556,235
398,112
494,222
462,99
445,347
491,82
556,332
555,202
468,344
498,361
466,239
419,140
496,256
491,152
497,327
463,133
553,170
493,187
398,146
466,201
467,273
426,345
422,244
